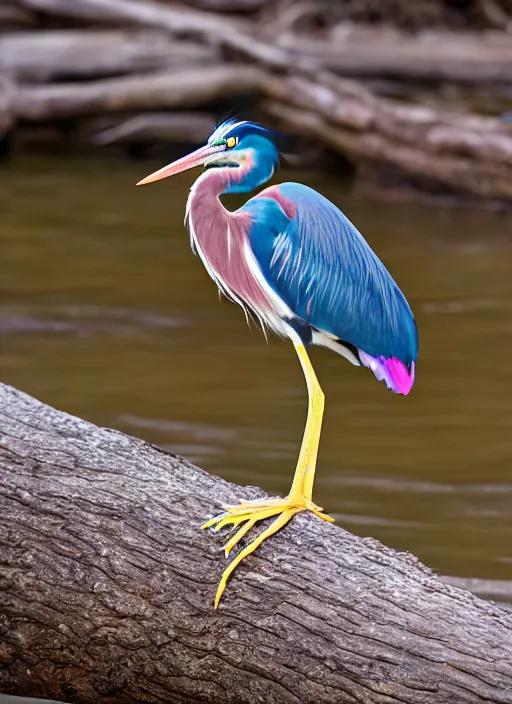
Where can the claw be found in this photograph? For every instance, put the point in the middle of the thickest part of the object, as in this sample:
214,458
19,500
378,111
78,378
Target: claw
211,522
249,513
279,522
238,536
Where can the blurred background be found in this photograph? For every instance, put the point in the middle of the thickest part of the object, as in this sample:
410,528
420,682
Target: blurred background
401,113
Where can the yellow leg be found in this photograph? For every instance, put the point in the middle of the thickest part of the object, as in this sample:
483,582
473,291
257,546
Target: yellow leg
304,477
299,498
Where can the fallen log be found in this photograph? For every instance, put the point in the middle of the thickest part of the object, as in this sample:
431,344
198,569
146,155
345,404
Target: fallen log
81,54
351,50
106,587
350,105
461,153
368,52
176,20
464,154
156,91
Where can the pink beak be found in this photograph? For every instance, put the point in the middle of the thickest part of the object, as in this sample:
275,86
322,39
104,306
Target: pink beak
197,158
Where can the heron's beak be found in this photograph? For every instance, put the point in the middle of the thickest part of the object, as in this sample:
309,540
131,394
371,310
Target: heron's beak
200,157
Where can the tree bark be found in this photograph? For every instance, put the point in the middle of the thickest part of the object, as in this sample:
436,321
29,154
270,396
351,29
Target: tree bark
106,588
33,57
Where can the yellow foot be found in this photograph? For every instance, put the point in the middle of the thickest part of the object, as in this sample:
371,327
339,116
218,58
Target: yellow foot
249,513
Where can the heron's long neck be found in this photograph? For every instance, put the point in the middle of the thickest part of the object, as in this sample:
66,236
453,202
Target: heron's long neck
222,237
203,202
204,194
208,218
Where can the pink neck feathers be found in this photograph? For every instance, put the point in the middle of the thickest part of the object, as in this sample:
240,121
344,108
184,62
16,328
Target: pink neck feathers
222,237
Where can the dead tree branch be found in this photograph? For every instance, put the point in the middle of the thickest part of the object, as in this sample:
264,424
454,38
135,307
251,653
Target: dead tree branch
34,57
157,91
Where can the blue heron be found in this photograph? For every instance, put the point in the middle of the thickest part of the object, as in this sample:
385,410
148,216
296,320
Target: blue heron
294,260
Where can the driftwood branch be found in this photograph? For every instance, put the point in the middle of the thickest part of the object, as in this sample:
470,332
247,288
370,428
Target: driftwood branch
461,153
464,154
174,89
368,52
106,588
175,20
80,54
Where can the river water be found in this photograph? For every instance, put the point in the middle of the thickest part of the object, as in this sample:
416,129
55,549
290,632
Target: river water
105,313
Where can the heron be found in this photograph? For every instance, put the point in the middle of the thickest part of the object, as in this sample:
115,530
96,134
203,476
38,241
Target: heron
295,262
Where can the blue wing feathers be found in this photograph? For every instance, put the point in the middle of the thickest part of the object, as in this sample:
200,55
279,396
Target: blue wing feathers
325,271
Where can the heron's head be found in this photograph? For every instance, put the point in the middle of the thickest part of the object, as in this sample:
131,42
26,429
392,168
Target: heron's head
232,144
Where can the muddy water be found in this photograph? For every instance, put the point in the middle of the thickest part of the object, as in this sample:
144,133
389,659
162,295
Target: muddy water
105,312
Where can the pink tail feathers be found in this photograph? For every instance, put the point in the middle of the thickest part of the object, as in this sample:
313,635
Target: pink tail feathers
394,372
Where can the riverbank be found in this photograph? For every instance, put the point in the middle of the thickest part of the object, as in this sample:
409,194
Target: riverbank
417,111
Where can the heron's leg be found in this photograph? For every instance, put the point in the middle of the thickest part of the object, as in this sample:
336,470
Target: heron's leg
248,513
302,486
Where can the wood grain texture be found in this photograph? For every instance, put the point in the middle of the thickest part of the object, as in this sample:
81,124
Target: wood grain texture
106,588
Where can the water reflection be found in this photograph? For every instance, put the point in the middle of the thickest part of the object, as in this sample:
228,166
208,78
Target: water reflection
104,312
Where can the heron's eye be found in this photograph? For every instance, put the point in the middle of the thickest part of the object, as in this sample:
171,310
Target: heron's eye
231,142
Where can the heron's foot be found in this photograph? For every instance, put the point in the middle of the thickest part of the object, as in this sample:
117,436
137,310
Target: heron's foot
247,514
